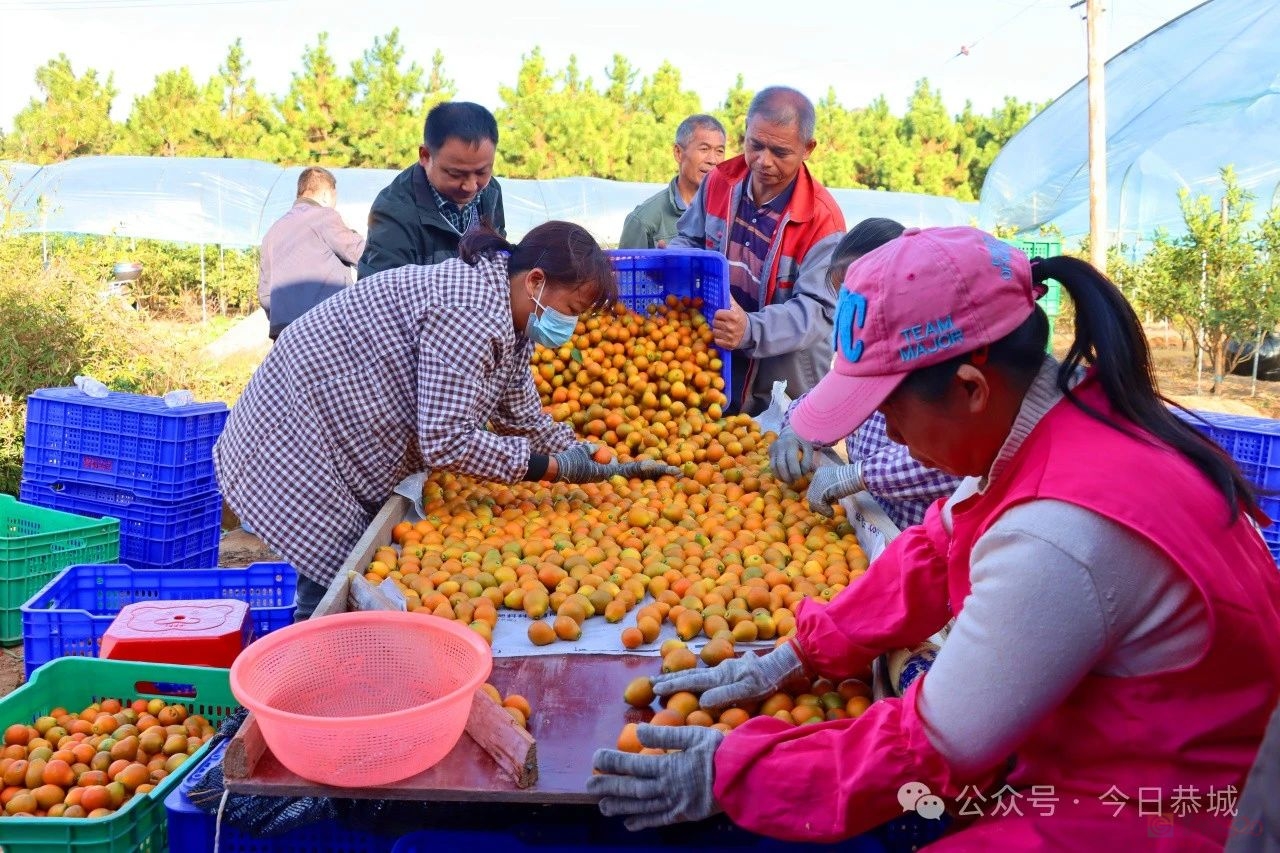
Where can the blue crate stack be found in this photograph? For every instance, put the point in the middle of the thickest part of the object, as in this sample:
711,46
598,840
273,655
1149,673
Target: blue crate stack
131,457
1254,444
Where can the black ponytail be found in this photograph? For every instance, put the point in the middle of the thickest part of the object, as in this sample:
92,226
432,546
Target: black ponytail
1109,338
480,241
567,253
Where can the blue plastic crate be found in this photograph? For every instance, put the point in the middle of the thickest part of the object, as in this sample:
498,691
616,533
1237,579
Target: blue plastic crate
192,831
68,617
648,276
153,534
126,441
1254,444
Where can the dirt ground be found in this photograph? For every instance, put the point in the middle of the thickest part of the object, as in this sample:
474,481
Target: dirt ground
240,549
11,673
1176,374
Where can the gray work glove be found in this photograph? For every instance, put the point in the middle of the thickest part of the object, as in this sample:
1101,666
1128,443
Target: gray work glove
575,465
743,679
830,483
657,790
790,456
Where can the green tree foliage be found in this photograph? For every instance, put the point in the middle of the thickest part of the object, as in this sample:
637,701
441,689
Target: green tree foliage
651,116
174,119
384,126
552,122
524,148
1218,281
315,111
72,118
732,113
244,123
990,133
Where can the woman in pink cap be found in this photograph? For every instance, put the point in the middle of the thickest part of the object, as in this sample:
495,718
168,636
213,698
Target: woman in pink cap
1113,661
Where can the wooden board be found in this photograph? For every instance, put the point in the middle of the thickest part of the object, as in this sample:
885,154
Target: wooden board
577,708
377,534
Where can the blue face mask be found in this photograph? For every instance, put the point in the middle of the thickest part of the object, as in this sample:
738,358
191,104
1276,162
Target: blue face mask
551,329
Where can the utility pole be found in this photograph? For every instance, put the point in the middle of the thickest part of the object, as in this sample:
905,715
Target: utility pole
1097,137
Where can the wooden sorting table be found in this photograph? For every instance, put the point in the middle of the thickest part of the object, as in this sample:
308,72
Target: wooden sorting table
577,700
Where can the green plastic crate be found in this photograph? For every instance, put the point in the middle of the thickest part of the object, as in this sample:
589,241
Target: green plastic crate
76,682
1039,248
1051,302
37,543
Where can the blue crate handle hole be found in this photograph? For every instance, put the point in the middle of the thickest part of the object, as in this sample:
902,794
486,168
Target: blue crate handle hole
166,689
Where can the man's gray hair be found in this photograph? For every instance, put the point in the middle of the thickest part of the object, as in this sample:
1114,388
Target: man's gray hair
784,105
684,133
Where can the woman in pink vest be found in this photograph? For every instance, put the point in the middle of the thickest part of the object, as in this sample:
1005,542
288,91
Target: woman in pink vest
1114,658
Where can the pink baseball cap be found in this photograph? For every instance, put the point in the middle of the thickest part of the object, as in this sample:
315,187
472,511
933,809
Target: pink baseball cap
922,299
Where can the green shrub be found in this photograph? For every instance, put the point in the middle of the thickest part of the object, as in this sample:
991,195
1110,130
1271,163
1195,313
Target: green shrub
13,419
170,281
56,322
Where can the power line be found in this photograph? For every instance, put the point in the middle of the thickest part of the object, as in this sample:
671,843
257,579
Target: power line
969,46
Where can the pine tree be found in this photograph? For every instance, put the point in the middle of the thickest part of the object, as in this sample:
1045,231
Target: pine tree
72,118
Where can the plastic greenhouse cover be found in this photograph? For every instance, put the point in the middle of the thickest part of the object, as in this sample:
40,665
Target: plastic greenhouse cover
1197,94
233,202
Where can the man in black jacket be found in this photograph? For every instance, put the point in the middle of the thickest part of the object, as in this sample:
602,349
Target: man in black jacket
419,217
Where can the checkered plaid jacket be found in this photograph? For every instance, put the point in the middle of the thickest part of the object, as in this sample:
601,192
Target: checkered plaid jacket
398,374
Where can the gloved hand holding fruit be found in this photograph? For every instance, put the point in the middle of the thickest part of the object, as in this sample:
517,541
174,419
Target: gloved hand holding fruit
742,679
830,483
585,463
657,790
790,456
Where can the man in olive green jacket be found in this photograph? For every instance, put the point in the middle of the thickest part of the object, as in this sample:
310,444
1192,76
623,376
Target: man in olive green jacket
699,146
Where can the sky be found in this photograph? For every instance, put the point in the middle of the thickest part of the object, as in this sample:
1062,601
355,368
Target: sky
1031,49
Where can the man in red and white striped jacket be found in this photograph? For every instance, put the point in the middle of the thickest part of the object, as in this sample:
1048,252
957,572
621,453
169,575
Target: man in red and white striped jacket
778,227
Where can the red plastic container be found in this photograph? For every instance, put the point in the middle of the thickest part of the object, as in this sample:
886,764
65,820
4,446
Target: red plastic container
209,632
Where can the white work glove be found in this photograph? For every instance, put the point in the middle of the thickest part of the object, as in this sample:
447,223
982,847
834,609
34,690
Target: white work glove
743,679
657,790
790,456
830,483
575,465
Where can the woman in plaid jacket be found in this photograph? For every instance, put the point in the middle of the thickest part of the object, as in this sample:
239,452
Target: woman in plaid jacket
411,369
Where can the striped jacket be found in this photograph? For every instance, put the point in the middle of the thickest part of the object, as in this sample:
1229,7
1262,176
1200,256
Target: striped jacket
790,337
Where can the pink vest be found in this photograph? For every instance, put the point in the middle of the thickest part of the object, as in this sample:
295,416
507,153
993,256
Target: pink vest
1194,732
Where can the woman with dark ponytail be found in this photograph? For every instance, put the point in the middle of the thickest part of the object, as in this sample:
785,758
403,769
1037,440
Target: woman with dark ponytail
1113,661
412,369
